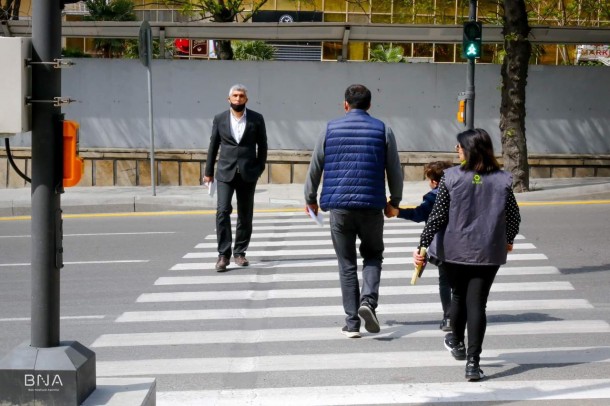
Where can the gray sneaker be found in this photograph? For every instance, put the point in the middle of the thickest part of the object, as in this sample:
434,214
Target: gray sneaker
457,348
371,324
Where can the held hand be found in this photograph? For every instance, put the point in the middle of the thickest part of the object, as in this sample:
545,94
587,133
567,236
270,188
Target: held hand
509,247
208,179
418,259
390,211
313,207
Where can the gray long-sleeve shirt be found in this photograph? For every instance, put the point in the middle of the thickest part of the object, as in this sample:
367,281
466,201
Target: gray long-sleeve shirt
393,169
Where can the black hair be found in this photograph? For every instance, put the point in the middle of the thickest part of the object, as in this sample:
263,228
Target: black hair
478,151
358,97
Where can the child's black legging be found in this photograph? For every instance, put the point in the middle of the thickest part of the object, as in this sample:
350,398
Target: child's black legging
470,285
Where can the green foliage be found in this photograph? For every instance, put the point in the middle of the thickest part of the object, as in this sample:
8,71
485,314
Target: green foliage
74,53
132,51
590,63
252,51
114,10
391,54
569,13
219,11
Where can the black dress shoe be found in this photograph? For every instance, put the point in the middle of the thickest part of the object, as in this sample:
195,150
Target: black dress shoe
222,263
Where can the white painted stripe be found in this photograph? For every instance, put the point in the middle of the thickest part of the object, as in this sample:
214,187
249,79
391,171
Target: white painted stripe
113,234
325,233
431,272
335,292
403,227
304,218
331,333
126,261
327,251
405,393
300,243
349,361
327,262
62,318
320,311
95,234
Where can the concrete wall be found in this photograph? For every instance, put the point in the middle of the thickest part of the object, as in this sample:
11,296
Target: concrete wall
568,108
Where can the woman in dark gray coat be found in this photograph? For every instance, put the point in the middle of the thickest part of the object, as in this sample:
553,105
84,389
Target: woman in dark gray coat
475,220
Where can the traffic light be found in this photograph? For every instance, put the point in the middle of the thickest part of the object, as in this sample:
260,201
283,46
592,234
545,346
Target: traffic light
471,43
73,164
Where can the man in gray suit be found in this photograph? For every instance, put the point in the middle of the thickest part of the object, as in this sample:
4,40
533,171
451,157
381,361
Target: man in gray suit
241,136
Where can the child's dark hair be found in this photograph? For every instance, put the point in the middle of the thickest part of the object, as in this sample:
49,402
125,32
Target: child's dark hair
434,170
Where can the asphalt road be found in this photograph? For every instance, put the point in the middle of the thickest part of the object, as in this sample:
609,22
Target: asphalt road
130,292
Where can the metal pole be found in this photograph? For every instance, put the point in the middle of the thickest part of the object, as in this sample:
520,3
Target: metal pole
472,16
153,173
47,144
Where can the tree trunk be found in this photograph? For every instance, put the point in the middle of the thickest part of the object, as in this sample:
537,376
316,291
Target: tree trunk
514,79
224,50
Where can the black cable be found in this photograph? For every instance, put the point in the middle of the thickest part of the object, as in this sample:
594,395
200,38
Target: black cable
10,159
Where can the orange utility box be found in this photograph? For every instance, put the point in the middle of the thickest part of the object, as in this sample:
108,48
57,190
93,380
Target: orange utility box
73,164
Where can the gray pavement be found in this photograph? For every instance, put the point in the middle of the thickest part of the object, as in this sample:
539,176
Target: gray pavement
17,202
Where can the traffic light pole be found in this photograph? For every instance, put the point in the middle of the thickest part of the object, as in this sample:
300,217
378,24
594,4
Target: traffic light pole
46,175
472,16
46,371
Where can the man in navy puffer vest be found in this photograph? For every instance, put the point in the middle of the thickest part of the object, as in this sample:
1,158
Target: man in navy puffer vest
355,153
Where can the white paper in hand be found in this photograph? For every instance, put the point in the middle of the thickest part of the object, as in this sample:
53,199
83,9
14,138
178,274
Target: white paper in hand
319,219
211,188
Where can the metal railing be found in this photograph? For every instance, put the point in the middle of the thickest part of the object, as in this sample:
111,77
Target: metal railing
307,32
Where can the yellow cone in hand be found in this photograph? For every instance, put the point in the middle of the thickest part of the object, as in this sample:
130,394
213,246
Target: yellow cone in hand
419,269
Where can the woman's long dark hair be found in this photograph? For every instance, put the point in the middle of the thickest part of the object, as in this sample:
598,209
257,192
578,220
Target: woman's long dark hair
478,151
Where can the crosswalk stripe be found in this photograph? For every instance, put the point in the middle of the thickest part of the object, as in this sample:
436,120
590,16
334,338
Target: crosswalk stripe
407,228
301,243
318,251
384,291
349,361
431,272
332,333
404,393
304,218
309,234
317,311
328,262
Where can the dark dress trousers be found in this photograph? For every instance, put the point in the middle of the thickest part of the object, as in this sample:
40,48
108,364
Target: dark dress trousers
239,167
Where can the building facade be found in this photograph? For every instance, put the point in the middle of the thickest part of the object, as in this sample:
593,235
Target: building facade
542,12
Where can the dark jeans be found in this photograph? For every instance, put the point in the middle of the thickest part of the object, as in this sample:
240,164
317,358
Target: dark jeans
471,285
367,225
444,290
245,210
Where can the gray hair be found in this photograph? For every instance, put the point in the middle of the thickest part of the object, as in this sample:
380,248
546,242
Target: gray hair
238,87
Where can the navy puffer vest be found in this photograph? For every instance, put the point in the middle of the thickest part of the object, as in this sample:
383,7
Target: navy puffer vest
354,163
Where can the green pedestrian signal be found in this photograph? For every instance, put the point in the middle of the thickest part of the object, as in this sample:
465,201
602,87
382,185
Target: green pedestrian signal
471,44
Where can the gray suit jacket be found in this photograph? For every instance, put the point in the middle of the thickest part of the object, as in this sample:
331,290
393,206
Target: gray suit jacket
250,155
